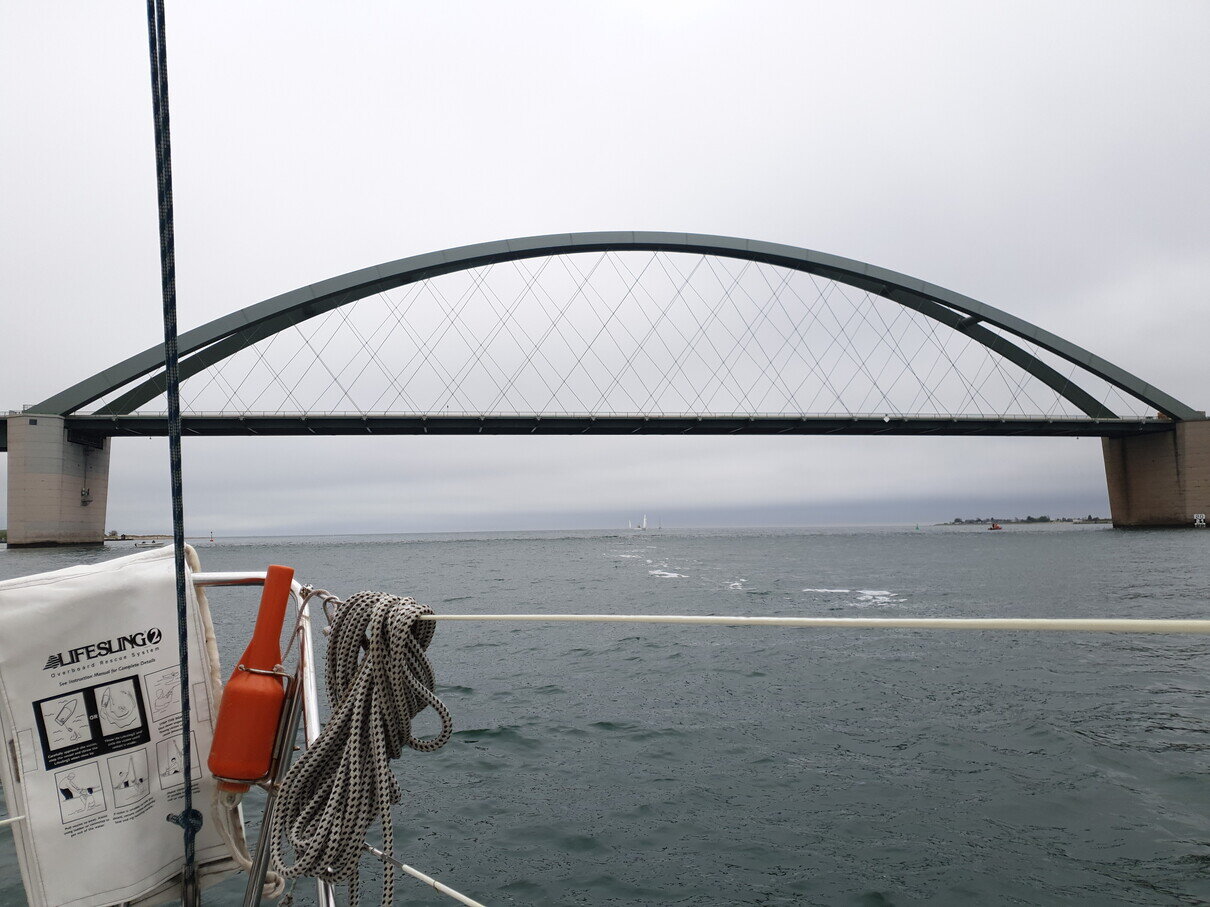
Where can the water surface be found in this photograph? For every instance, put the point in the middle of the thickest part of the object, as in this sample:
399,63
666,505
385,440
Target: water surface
637,765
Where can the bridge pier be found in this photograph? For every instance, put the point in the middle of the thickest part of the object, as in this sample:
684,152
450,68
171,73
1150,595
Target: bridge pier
57,488
1159,479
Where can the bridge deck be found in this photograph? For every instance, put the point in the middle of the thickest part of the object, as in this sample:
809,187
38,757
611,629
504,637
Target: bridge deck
92,428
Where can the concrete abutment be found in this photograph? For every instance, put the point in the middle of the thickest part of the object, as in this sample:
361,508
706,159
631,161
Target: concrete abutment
57,489
1159,479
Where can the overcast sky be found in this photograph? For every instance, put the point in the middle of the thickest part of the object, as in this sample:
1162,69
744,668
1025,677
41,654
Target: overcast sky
1046,158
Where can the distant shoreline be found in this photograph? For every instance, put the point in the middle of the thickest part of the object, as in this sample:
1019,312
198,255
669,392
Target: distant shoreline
127,537
1027,521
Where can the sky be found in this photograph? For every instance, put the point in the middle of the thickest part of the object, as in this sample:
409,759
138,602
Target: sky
1045,158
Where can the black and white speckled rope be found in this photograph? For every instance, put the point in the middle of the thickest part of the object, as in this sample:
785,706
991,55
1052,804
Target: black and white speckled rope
343,783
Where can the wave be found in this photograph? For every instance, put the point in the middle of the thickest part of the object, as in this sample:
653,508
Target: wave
508,735
866,597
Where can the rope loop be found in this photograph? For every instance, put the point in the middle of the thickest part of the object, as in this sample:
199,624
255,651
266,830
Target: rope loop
189,818
379,679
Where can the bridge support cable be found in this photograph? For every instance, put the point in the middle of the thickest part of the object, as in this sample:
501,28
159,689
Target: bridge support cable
743,349
989,327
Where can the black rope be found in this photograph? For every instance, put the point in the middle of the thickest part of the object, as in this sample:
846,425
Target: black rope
189,819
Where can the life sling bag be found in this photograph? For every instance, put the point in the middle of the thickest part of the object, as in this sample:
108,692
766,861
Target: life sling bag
90,714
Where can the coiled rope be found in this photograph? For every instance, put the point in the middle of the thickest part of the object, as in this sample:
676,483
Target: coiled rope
343,783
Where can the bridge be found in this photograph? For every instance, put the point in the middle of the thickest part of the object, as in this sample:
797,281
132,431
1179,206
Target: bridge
613,333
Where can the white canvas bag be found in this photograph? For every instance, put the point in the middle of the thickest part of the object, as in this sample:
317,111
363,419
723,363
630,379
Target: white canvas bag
90,713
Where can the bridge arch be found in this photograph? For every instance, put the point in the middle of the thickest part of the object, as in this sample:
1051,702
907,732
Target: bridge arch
1158,469
210,343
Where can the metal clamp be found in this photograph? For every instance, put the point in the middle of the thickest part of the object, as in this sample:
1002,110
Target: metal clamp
278,671
327,599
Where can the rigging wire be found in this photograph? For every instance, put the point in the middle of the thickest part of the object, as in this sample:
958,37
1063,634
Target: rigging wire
189,818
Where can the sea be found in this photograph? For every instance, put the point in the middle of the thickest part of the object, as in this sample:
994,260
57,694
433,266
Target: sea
611,764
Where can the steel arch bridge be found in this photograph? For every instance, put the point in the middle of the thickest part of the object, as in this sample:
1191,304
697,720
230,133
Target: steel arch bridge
210,344
1048,361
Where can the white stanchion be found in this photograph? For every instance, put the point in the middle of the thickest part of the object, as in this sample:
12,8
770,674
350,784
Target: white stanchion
1073,625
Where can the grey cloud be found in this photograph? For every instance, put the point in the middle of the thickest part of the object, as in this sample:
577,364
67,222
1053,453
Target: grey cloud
1055,172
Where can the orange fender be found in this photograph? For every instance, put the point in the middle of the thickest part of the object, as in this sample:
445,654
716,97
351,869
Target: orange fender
251,707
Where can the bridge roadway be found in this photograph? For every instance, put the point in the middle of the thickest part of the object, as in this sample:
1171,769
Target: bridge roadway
92,429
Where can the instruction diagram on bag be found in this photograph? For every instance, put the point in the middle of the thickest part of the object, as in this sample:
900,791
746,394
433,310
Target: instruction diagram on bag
66,721
80,792
117,706
164,693
171,762
93,721
128,778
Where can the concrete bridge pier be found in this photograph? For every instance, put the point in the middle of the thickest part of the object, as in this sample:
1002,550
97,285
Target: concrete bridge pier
57,488
1159,479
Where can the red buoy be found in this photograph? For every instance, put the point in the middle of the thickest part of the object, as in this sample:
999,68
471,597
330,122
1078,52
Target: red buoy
251,707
